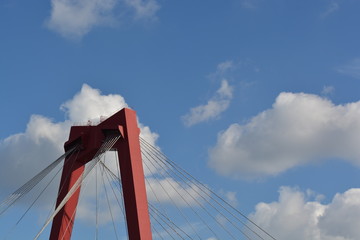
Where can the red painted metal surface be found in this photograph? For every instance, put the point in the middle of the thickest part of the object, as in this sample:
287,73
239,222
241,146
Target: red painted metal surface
132,177
90,138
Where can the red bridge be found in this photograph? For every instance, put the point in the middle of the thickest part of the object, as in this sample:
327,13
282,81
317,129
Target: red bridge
206,216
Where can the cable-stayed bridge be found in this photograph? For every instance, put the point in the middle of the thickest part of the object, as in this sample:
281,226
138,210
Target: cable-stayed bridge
110,159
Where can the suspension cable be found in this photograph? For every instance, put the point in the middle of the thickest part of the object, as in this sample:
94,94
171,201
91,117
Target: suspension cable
201,205
168,219
107,176
165,160
151,208
170,224
36,199
85,182
24,189
107,145
161,225
108,201
66,177
170,197
206,200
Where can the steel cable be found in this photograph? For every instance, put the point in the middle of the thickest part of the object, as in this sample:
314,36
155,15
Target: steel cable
206,200
201,205
24,189
108,201
170,197
189,177
107,145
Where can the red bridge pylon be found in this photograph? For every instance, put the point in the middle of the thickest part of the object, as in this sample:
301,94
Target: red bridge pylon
90,138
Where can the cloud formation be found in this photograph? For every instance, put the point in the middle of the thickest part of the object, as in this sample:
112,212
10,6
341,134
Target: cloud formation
352,68
27,153
298,129
224,67
327,90
330,9
89,103
297,216
42,142
73,19
144,9
213,108
249,4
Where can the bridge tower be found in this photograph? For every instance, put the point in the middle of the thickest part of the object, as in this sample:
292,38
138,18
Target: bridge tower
90,138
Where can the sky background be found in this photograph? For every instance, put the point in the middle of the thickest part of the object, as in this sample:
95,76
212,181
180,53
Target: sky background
255,98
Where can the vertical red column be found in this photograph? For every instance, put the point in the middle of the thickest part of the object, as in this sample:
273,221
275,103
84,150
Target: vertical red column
132,177
63,221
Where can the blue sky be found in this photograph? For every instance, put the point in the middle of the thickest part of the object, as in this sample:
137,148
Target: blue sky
254,97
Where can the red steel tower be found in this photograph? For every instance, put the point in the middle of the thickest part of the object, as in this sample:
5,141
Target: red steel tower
90,138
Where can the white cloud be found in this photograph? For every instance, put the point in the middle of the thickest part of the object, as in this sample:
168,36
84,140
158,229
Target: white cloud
341,217
352,68
249,4
90,104
213,108
75,18
298,129
330,9
327,90
224,66
296,216
231,198
144,9
27,153
225,70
